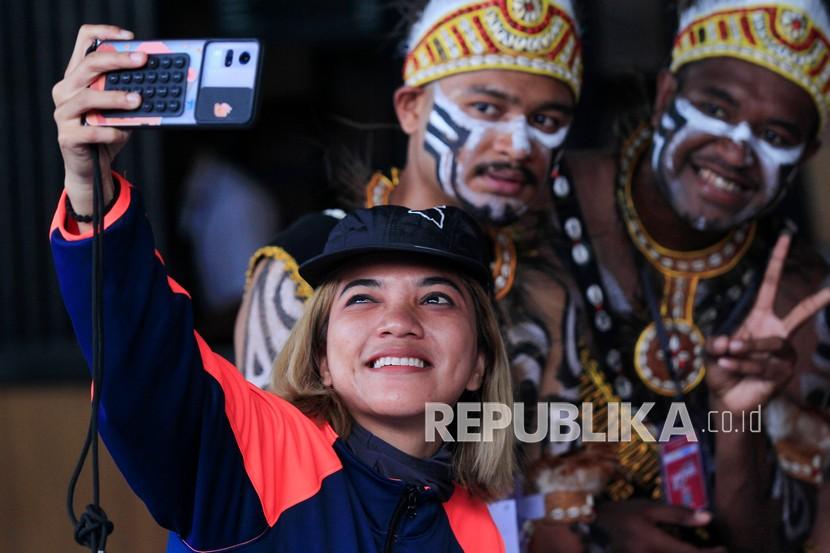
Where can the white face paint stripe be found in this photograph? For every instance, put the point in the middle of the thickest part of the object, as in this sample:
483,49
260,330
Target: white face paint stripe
442,126
551,141
772,158
740,133
521,140
518,127
434,142
458,116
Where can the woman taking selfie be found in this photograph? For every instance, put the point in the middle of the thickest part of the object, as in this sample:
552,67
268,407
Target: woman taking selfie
337,460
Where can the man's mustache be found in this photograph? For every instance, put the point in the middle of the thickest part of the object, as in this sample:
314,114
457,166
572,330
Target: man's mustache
483,168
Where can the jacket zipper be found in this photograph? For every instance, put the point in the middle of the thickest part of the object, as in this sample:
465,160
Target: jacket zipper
406,506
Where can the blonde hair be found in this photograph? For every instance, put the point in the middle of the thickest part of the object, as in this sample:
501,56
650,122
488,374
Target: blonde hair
485,469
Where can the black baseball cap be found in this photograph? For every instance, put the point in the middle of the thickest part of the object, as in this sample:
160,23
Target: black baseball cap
444,234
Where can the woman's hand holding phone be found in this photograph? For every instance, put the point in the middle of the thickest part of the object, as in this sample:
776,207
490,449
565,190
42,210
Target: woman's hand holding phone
73,99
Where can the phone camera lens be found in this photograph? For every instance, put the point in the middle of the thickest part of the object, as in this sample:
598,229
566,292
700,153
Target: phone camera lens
244,58
228,58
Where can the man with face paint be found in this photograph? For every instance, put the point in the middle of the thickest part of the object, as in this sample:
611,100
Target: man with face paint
488,95
729,201
680,264
496,191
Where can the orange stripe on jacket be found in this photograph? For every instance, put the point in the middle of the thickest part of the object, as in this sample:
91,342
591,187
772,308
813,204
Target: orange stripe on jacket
472,524
174,286
280,446
71,234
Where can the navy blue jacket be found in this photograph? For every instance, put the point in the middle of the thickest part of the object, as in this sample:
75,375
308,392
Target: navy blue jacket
223,464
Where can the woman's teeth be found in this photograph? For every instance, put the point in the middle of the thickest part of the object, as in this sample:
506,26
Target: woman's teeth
398,362
713,179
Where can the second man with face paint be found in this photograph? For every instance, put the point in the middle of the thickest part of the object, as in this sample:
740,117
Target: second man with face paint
680,262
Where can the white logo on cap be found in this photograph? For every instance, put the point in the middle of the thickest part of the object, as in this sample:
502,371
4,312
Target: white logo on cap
425,214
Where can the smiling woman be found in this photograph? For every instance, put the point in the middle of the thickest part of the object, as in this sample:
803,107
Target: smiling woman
401,317
387,337
338,459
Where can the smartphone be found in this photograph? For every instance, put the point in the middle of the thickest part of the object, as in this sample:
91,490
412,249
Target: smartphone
187,82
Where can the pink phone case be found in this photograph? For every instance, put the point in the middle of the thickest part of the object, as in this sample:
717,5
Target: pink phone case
188,82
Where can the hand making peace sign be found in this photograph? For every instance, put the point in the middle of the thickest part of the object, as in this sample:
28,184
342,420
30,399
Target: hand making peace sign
747,368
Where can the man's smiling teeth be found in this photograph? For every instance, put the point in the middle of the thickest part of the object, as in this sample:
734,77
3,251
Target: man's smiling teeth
717,181
398,362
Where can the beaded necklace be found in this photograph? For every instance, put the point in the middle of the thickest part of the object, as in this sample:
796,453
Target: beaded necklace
682,271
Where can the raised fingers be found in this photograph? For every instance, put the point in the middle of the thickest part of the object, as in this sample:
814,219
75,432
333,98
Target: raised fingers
87,34
769,287
760,367
762,345
806,309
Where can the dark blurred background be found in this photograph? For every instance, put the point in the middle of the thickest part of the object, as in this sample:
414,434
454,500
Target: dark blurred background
330,69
